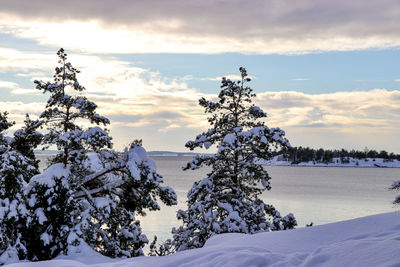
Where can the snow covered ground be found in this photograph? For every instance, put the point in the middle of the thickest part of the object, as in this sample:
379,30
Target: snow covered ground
336,162
368,241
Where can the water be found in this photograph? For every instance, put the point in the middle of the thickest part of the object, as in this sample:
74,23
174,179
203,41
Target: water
313,194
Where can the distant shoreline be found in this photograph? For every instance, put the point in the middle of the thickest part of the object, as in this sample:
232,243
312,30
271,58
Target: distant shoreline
276,161
337,162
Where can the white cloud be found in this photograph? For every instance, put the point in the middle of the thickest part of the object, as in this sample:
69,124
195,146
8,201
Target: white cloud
15,89
8,85
264,26
345,119
166,110
18,109
15,60
335,120
134,97
21,91
31,74
139,40
300,79
232,77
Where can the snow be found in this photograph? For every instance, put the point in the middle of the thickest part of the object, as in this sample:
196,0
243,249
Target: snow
229,139
40,214
54,171
367,241
102,202
140,155
207,145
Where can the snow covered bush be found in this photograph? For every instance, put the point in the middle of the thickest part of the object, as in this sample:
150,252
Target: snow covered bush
17,166
124,184
54,213
227,200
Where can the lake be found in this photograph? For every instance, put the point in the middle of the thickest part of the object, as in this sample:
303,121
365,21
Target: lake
313,194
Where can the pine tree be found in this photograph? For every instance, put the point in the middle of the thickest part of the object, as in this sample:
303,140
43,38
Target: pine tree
227,200
50,194
64,110
90,193
17,166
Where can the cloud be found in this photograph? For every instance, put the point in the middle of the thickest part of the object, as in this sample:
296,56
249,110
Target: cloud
340,110
165,112
232,77
31,74
349,120
209,26
344,119
131,96
14,60
18,109
8,85
15,89
300,79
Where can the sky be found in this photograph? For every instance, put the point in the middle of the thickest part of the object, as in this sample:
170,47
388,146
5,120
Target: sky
326,72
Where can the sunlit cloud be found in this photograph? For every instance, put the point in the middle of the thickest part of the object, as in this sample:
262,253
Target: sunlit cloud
17,110
262,27
15,89
165,112
8,85
378,107
346,118
131,96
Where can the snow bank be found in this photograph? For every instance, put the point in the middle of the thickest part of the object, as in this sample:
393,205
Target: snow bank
368,241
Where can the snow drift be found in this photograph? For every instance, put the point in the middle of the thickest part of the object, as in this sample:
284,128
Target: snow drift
367,241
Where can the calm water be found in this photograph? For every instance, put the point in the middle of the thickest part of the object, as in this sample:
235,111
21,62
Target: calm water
313,194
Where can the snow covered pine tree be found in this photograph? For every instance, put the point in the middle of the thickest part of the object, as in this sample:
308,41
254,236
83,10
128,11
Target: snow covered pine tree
227,200
17,166
90,193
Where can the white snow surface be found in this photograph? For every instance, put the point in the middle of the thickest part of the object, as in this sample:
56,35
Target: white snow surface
368,241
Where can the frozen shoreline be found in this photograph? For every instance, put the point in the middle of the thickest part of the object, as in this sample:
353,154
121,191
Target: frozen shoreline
336,162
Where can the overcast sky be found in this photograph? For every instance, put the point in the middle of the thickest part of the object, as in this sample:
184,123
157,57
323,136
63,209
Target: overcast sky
327,72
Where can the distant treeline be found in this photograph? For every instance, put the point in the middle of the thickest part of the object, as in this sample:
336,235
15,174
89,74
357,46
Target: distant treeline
306,154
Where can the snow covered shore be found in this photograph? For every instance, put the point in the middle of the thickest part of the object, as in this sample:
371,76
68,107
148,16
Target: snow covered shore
336,162
368,241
